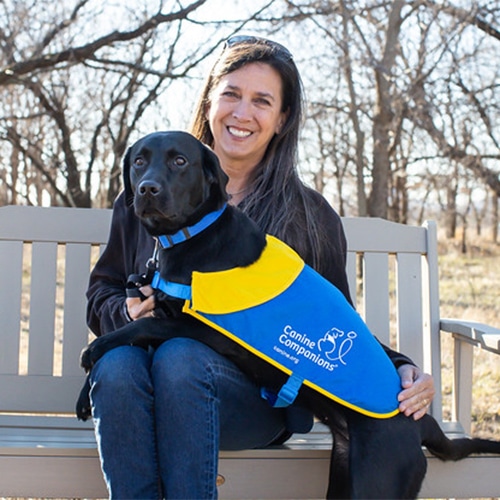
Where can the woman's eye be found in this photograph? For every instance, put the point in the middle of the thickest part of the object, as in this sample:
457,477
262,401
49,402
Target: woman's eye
263,102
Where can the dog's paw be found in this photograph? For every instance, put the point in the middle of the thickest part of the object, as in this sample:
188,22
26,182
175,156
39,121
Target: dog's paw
92,353
83,412
86,361
83,407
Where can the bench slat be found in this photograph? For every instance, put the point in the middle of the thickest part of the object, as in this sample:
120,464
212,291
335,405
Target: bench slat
42,308
409,305
11,271
60,224
378,235
351,270
376,294
75,335
39,393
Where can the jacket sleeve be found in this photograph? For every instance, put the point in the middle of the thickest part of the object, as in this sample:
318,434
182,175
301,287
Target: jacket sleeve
122,256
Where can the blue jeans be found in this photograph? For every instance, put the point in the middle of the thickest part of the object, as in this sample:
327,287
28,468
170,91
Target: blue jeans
162,416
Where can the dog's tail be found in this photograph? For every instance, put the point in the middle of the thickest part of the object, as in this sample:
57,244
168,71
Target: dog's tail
435,440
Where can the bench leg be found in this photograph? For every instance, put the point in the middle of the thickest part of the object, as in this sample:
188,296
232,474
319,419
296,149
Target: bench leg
462,384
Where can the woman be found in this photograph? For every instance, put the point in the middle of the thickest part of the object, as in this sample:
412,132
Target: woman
161,417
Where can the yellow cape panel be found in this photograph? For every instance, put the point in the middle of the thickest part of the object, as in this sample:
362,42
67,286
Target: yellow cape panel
224,292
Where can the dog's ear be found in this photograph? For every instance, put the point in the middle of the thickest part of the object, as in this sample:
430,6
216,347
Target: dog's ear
213,171
127,185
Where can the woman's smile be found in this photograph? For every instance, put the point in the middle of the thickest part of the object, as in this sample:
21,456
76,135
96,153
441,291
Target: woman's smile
239,132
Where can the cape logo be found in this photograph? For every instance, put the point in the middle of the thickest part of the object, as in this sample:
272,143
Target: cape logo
334,346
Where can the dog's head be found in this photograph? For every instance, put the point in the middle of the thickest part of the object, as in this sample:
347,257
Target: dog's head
174,181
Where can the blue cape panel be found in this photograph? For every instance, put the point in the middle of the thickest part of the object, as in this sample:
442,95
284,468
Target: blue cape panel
311,331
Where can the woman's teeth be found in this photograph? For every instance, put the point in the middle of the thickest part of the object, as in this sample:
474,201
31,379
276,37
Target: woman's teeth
238,132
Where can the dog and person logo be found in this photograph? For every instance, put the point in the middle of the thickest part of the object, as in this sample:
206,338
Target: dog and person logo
283,311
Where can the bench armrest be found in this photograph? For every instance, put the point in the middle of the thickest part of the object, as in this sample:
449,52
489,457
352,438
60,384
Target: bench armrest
485,336
466,336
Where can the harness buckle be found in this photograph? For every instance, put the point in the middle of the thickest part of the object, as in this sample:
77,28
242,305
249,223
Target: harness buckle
287,394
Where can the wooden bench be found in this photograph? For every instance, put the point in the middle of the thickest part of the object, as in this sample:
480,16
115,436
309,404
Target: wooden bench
45,258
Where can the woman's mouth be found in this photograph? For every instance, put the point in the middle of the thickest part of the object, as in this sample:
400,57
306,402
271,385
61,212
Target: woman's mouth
237,132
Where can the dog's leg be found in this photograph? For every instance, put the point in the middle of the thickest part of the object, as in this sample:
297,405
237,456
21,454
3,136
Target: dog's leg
333,416
338,482
386,457
143,333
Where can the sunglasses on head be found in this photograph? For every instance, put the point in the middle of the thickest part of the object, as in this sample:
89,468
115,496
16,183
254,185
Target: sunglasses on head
250,39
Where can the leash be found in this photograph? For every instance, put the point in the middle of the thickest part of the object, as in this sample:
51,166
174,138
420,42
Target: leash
136,281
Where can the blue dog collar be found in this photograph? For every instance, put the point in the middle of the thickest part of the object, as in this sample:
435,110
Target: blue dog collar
169,240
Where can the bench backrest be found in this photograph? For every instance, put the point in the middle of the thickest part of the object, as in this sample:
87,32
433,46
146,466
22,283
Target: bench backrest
45,259
46,255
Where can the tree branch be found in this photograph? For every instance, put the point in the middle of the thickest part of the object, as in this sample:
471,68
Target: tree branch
16,71
470,16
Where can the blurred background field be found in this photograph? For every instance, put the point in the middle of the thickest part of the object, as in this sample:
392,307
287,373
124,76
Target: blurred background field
470,289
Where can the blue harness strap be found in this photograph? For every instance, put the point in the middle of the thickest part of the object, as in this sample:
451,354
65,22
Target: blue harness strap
172,289
287,394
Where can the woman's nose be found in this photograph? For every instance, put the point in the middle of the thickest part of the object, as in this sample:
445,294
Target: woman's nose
242,111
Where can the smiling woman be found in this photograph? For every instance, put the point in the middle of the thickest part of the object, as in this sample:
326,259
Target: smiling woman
274,208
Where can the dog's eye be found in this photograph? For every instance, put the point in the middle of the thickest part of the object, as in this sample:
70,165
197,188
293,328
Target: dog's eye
180,161
139,161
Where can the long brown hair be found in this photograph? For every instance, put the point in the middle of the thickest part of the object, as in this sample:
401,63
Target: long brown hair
278,200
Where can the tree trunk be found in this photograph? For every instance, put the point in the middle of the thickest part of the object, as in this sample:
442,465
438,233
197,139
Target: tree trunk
496,220
383,118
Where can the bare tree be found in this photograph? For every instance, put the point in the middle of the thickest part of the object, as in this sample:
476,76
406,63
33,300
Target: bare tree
403,98
74,89
412,90
44,59
383,115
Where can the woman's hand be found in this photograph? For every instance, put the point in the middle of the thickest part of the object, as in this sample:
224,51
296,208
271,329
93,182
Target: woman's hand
141,308
418,391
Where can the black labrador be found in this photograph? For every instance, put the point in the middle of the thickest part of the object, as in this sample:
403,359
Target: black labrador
176,181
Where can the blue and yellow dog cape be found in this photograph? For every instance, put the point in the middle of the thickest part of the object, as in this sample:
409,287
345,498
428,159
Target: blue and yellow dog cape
283,311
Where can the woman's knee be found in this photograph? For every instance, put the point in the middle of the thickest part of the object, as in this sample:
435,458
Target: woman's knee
180,360
122,369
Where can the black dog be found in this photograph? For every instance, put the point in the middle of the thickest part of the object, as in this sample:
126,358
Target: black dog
177,181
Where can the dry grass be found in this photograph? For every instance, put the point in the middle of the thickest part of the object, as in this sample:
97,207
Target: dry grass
470,289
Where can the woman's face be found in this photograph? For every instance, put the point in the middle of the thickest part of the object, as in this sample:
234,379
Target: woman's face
245,113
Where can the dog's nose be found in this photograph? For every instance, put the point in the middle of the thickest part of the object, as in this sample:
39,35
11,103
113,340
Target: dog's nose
149,188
